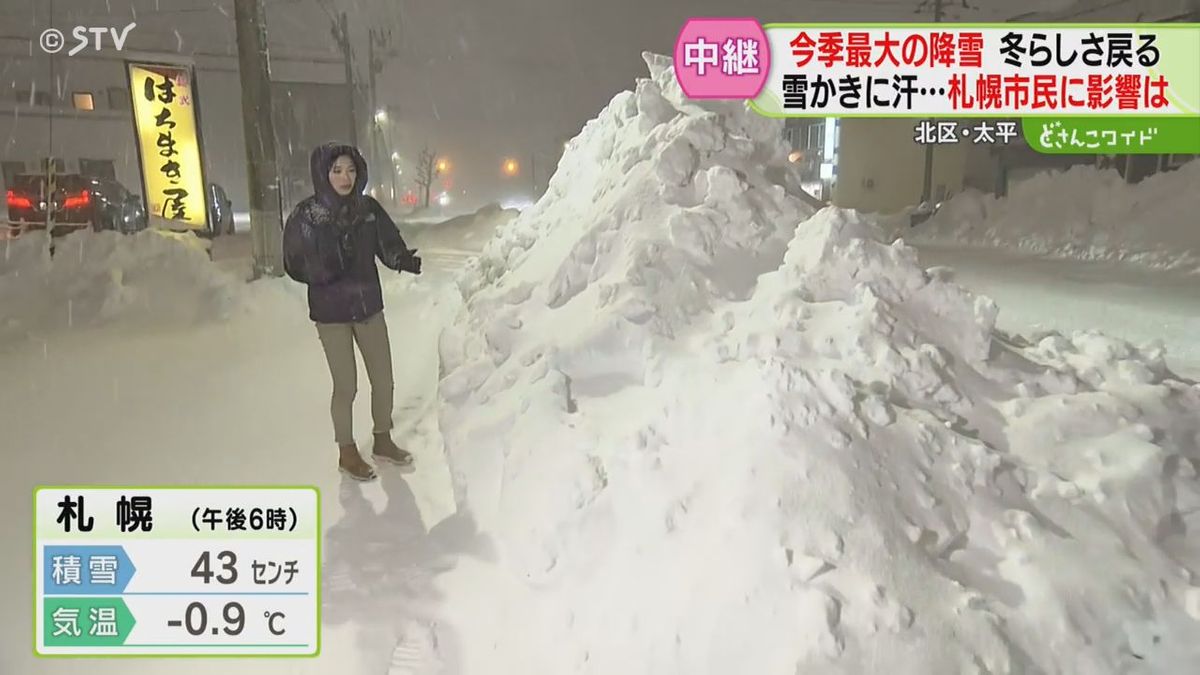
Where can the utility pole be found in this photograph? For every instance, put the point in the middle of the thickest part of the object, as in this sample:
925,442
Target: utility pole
373,112
927,185
341,35
339,30
261,171
386,142
375,62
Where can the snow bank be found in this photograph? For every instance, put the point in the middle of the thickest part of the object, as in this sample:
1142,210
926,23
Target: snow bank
468,231
95,278
1082,212
487,218
708,431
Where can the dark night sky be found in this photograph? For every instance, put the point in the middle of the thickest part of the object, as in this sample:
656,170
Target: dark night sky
506,77
481,78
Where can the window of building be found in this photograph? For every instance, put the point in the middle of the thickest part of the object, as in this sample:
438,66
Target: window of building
816,136
83,100
118,98
98,168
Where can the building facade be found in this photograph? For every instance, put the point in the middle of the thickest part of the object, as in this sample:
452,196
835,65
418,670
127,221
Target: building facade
875,165
76,110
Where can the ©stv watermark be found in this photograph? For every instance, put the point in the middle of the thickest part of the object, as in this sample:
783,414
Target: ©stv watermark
52,40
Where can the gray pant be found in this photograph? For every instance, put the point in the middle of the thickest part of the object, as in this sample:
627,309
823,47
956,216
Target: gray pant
372,337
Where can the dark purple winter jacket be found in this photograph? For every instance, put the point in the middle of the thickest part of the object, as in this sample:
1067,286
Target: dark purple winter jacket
330,242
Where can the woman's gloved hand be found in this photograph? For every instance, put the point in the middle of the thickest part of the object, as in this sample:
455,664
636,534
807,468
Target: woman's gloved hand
411,262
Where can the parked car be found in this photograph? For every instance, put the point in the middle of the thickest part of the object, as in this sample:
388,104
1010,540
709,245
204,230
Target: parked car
79,202
82,202
220,211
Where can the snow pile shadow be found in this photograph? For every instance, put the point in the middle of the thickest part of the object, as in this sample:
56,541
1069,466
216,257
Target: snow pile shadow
1083,213
105,277
698,448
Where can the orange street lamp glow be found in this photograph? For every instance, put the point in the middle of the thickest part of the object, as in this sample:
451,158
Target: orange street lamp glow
510,167
443,165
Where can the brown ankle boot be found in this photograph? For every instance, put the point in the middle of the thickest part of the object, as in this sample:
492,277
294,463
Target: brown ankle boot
386,449
352,464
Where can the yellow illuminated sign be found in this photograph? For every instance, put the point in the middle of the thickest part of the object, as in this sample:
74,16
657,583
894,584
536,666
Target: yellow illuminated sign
164,113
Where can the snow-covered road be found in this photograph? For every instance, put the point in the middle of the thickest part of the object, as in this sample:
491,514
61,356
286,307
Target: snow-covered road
1132,303
229,403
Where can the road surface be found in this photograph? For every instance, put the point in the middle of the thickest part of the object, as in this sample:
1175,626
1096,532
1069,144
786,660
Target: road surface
1135,304
238,402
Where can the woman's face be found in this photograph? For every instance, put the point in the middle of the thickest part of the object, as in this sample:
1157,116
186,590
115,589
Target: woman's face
342,175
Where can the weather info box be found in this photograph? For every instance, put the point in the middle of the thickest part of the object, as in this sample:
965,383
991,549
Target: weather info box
176,571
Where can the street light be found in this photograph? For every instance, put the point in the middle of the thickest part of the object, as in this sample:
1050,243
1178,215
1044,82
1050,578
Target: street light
511,167
381,116
395,158
443,165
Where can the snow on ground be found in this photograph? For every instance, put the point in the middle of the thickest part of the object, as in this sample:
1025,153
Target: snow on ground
105,277
1083,213
839,466
175,372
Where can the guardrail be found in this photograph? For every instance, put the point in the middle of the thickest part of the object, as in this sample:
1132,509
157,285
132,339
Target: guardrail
11,229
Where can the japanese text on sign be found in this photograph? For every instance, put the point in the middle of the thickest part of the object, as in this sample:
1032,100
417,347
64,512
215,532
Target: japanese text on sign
242,518
722,58
995,70
948,132
1055,135
734,57
164,108
140,571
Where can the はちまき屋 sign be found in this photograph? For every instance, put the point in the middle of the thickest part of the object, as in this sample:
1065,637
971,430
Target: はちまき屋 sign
167,128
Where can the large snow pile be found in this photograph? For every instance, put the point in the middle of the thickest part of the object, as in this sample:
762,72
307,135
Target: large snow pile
1083,212
696,448
94,278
